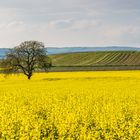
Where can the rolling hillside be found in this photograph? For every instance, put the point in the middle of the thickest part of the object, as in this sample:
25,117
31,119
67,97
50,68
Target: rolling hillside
97,60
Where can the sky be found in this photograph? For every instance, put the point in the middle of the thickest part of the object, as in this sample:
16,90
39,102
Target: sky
62,23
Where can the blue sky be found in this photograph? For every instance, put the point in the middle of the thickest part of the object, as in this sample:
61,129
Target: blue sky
70,22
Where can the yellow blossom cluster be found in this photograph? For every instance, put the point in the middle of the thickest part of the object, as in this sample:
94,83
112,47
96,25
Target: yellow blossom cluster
71,105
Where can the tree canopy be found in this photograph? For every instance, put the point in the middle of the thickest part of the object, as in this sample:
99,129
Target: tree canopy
28,57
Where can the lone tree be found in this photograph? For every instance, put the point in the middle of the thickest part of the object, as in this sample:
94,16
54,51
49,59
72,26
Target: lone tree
28,57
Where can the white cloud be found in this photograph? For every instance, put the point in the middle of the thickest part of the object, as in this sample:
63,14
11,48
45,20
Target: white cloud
84,24
70,22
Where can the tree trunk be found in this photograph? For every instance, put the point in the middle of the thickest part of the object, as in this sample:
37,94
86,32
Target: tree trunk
29,77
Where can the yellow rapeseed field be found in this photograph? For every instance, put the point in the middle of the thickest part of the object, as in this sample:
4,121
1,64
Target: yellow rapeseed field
71,105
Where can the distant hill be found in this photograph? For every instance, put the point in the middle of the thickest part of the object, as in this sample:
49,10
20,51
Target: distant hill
3,52
89,49
55,50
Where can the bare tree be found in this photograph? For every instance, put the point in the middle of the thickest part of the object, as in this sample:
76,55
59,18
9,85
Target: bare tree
28,57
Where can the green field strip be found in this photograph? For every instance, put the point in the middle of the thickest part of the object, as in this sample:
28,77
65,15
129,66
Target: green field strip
76,59
132,60
90,59
106,59
111,58
136,60
58,58
118,60
68,59
123,59
97,58
65,60
81,58
127,60
104,56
